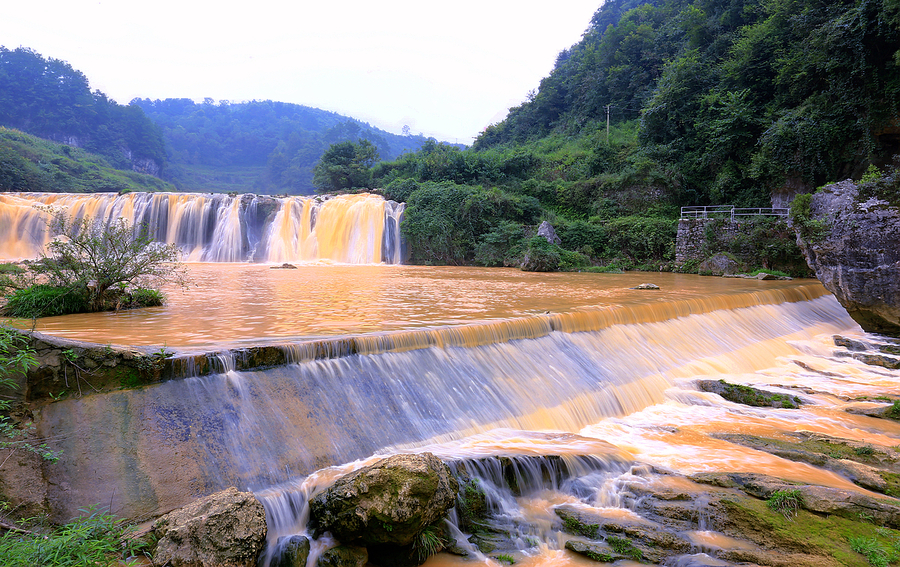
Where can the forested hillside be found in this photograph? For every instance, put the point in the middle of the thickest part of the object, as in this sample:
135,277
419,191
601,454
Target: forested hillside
662,105
50,99
736,97
259,146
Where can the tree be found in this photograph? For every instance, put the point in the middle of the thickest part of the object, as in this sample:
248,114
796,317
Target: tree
97,269
345,166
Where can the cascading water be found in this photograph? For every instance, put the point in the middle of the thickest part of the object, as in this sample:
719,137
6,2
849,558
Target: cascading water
574,409
353,229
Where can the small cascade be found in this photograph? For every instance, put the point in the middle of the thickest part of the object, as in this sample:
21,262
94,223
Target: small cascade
350,229
262,428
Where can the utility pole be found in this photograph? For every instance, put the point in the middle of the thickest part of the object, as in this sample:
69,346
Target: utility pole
607,124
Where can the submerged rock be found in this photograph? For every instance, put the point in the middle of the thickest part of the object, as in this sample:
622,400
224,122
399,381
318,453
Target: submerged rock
225,529
343,556
646,286
855,252
748,395
390,502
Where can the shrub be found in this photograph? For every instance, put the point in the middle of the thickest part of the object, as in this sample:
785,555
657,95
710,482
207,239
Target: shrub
785,502
46,301
502,246
90,270
541,256
89,540
143,297
810,229
570,261
642,238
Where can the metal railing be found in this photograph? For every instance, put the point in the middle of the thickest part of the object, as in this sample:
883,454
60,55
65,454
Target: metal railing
729,212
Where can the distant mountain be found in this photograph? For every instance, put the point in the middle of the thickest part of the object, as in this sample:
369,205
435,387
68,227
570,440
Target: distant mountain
259,146
50,99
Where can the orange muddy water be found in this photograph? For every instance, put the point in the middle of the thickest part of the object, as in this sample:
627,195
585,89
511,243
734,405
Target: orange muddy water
228,304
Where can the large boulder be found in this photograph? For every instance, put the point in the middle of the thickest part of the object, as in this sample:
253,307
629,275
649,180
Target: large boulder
225,529
720,264
390,502
857,255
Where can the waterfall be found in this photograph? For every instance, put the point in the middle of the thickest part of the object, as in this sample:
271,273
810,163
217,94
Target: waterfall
350,229
156,447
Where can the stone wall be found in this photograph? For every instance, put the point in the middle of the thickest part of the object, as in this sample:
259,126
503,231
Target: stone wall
691,242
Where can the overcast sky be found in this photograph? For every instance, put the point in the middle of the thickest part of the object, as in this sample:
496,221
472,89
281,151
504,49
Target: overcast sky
446,69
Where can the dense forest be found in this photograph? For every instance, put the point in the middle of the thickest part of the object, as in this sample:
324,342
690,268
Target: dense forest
258,146
50,99
662,105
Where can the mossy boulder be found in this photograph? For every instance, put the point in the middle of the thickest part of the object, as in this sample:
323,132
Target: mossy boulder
291,551
748,395
390,502
225,529
720,264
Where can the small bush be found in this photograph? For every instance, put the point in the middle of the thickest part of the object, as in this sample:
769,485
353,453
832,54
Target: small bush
89,540
541,256
143,297
46,301
786,502
570,261
810,229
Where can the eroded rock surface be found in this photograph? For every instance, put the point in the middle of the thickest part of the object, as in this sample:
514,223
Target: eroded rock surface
225,529
858,259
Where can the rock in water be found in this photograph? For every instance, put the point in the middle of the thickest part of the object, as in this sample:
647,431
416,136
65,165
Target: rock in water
291,551
858,260
390,502
225,529
646,286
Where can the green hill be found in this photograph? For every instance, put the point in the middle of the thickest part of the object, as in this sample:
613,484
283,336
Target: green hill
29,163
50,99
264,146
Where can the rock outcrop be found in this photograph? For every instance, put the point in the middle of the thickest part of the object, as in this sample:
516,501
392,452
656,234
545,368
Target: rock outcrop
855,253
547,231
225,529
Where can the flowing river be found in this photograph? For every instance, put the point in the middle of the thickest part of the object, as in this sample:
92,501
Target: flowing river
471,365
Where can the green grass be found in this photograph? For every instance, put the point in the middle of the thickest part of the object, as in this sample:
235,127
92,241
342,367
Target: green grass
807,533
28,163
874,550
93,539
785,502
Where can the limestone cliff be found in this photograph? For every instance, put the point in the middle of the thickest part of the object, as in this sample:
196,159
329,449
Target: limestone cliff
852,242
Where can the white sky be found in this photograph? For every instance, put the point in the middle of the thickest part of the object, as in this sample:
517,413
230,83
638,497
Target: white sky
446,69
